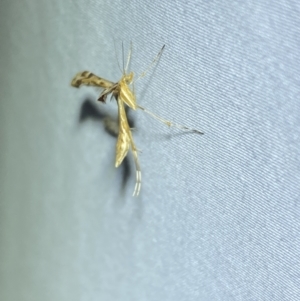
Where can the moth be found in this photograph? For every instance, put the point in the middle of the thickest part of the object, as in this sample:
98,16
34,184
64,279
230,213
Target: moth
123,92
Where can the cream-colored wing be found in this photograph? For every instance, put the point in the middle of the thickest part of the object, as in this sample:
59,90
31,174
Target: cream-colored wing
123,142
126,94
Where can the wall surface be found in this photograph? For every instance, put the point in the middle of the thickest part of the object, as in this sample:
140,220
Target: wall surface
218,217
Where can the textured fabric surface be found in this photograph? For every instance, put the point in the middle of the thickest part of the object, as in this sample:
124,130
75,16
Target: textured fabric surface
218,217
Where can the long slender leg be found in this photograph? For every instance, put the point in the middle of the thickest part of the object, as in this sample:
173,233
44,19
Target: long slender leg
170,123
152,64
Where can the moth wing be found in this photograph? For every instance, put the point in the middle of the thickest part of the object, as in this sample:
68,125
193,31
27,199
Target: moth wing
88,78
123,142
122,147
127,96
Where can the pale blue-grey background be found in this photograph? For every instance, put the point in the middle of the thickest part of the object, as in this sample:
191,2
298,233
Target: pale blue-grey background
218,217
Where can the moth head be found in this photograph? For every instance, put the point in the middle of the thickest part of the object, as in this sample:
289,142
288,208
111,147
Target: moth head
128,78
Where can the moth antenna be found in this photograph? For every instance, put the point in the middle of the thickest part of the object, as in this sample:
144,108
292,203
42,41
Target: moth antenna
152,63
133,89
128,57
123,58
117,56
169,123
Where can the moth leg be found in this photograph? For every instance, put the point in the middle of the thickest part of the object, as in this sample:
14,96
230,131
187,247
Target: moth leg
152,64
170,123
106,92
